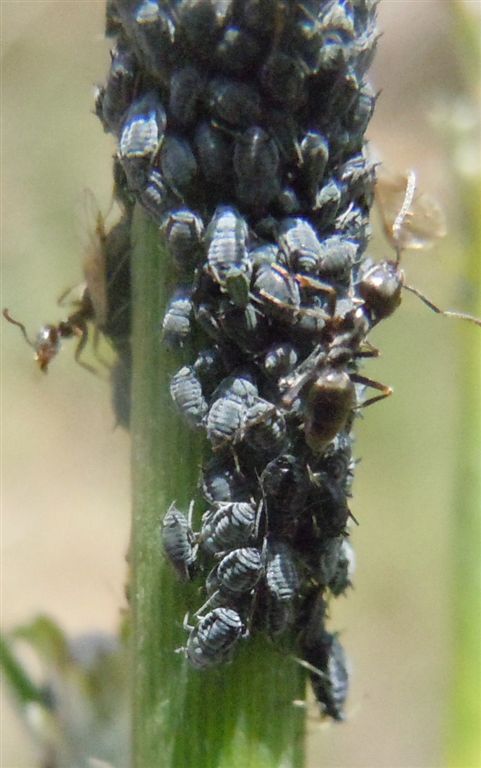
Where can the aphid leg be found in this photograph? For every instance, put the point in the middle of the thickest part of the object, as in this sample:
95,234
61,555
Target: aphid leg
185,624
439,311
190,514
260,508
383,388
10,319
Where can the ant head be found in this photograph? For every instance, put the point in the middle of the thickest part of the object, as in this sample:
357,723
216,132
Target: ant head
380,287
46,344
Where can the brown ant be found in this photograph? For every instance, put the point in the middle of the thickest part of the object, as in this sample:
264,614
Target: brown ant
48,339
92,306
411,221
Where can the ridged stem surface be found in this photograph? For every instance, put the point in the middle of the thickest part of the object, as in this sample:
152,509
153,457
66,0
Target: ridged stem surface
241,715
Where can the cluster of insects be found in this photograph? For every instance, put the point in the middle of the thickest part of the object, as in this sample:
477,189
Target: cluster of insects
240,130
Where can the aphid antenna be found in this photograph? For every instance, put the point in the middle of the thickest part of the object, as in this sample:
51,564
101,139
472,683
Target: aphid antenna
439,311
11,320
208,602
312,669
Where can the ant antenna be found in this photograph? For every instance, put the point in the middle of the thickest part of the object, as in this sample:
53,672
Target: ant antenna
439,311
11,320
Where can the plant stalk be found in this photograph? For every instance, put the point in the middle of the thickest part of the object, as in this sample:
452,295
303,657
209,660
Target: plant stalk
240,715
464,734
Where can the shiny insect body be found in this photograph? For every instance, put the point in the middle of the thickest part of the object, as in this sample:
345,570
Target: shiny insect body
227,256
233,103
300,245
179,166
284,79
213,639
113,101
256,168
341,578
209,367
239,571
199,24
246,327
240,386
280,359
228,526
326,384
184,230
154,195
222,481
141,137
224,421
281,573
176,324
285,488
329,674
186,392
263,427
237,51
178,540
277,291
214,154
152,28
314,149
186,87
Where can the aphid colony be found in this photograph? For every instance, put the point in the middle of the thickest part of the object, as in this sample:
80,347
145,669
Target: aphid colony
239,128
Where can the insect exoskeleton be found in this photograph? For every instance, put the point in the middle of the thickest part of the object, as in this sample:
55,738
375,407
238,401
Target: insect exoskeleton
178,540
227,526
186,392
212,641
227,256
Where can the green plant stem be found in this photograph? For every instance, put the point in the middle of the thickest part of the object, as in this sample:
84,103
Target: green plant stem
464,716
240,715
464,743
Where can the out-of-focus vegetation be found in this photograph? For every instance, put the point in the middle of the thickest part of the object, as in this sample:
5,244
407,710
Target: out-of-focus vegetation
66,471
462,130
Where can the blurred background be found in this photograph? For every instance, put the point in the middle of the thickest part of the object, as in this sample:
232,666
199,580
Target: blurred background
65,468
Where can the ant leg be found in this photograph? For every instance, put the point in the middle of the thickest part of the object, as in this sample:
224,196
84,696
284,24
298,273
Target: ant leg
383,388
98,356
367,350
83,333
68,292
10,319
319,285
438,310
